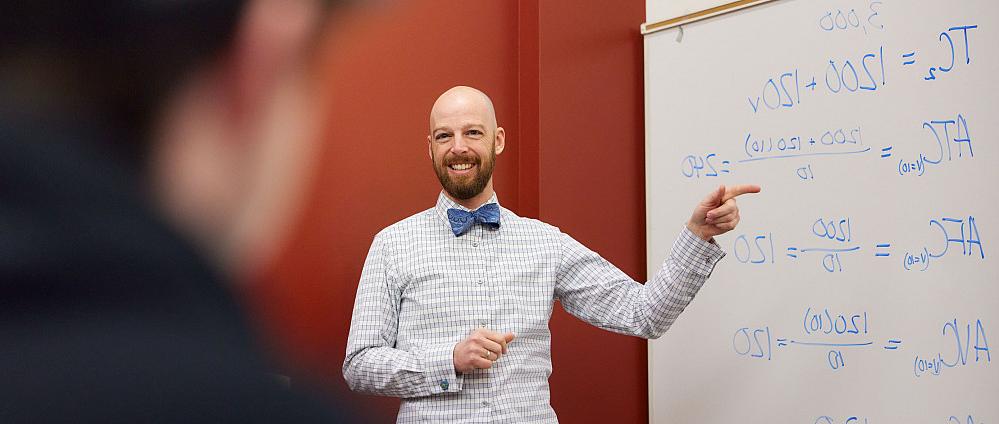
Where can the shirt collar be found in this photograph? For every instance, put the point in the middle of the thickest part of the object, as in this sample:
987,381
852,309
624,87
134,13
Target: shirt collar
444,203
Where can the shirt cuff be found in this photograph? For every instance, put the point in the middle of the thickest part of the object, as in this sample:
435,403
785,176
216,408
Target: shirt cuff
693,253
440,369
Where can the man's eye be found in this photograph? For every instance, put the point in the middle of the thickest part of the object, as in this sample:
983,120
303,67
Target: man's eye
474,132
442,136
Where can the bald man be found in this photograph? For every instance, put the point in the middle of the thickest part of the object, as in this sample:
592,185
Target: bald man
453,304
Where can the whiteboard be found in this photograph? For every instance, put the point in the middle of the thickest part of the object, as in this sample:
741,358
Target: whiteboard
862,284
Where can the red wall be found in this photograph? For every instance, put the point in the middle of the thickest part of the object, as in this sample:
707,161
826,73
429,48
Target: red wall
566,79
592,186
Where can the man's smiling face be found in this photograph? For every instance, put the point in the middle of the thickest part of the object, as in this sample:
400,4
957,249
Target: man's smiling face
464,141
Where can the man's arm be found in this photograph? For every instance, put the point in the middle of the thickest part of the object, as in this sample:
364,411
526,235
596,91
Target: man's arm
594,290
597,292
373,364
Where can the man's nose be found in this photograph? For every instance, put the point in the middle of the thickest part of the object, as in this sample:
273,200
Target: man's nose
460,144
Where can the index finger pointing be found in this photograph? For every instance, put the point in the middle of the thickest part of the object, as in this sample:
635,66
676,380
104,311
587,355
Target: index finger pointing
738,190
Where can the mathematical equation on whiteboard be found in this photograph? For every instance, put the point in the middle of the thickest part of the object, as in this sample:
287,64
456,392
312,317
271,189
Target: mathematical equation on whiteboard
953,419
946,140
829,336
829,243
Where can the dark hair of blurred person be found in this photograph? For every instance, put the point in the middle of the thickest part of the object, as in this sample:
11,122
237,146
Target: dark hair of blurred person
150,151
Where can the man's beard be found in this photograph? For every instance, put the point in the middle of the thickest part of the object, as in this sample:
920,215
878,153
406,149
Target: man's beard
466,188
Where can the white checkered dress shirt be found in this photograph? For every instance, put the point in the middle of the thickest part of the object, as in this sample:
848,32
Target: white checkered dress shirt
423,290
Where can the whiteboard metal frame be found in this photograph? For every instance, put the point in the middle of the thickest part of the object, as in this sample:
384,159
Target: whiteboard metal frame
648,28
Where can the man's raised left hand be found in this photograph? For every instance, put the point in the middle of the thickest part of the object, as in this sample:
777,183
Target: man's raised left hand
718,214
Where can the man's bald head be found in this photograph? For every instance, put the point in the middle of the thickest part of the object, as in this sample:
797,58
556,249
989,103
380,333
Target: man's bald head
463,100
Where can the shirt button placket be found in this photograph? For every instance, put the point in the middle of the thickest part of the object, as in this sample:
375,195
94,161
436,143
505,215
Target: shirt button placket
488,253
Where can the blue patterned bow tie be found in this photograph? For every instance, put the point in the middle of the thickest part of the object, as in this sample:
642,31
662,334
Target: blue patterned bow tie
462,220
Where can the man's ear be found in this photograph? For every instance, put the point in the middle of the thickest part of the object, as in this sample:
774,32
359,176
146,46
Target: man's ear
272,36
500,140
430,147
239,138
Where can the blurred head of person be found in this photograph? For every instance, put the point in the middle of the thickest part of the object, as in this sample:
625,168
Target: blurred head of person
209,103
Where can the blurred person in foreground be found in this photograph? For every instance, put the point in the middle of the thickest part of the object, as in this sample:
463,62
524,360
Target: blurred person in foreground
150,151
